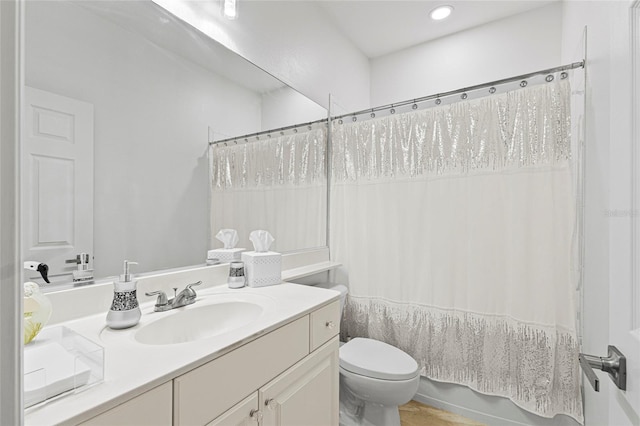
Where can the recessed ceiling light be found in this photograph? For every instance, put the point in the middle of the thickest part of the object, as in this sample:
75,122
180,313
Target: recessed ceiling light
441,12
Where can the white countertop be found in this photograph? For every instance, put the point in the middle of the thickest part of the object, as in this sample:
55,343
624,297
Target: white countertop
132,368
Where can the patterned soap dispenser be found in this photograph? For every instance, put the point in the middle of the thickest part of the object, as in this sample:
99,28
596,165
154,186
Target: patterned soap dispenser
124,312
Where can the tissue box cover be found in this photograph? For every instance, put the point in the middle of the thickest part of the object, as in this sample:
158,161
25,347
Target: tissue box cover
263,268
225,255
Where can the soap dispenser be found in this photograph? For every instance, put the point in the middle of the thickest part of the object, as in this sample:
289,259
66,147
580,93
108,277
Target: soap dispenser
124,312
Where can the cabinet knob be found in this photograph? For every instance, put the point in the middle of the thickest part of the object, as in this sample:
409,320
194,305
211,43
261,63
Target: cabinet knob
271,403
330,324
256,415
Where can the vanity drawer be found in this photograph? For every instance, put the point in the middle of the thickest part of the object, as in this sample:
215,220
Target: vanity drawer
325,323
204,393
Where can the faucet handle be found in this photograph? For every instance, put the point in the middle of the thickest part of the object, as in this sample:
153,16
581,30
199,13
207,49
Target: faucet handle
193,284
191,292
161,301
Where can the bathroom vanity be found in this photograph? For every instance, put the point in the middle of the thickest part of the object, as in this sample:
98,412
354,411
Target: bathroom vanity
281,367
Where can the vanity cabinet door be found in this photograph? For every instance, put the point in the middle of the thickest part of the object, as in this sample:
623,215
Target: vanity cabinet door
244,413
307,393
152,408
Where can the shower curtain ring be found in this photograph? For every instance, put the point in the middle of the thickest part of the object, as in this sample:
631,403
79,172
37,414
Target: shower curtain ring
564,75
492,90
549,78
354,118
438,101
464,96
523,83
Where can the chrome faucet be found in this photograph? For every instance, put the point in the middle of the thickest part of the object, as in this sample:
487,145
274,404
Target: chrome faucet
184,298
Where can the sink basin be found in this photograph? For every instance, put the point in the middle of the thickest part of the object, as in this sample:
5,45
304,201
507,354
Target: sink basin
198,322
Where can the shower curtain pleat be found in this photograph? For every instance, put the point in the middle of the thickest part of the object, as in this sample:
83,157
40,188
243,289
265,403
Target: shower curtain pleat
455,226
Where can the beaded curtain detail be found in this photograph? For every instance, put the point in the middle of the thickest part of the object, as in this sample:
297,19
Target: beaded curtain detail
296,159
509,130
456,226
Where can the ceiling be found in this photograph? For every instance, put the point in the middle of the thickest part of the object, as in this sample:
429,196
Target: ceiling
380,27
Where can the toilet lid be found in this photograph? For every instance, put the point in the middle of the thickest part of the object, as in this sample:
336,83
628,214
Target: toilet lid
376,359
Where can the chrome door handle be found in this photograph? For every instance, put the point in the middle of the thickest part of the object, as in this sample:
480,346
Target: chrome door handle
615,364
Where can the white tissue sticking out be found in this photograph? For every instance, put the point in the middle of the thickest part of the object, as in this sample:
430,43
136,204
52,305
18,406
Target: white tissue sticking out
261,240
229,237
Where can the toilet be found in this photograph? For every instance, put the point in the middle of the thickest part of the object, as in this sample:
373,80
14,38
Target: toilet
375,378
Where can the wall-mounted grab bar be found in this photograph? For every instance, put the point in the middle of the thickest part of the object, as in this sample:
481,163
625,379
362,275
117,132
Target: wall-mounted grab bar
615,364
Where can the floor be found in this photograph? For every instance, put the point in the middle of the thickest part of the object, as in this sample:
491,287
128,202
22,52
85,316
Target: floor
417,414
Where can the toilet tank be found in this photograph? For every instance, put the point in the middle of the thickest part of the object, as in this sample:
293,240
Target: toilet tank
337,287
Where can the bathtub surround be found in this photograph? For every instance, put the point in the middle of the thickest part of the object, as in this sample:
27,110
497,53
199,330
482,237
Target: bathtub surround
473,269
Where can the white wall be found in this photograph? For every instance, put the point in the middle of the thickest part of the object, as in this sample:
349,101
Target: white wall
291,40
285,106
152,109
10,277
513,46
608,181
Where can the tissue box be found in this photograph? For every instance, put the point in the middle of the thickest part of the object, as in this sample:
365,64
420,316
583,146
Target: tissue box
225,255
262,268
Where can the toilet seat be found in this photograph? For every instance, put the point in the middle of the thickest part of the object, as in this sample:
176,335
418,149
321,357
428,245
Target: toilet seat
372,358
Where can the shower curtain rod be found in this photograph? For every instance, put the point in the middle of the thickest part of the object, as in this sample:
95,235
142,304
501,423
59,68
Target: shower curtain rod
280,131
463,90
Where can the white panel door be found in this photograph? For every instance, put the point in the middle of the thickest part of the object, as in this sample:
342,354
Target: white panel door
57,181
624,284
624,296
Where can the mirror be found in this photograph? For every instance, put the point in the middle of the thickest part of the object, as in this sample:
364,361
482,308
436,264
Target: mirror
144,92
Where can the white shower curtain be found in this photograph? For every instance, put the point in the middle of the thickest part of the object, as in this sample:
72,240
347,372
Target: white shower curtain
278,184
457,228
